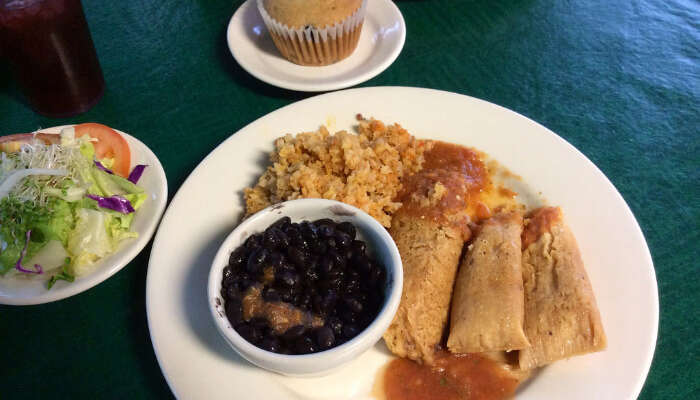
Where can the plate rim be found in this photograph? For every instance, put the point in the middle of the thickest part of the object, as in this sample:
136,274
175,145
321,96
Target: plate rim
648,357
316,87
141,242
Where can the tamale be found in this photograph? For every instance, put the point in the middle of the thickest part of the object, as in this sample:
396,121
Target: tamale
430,229
488,304
561,316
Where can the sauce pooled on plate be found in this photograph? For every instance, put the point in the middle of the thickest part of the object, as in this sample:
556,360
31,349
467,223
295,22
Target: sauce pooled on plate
451,377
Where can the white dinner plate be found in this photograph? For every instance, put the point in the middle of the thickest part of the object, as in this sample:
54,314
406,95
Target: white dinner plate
20,291
198,364
382,38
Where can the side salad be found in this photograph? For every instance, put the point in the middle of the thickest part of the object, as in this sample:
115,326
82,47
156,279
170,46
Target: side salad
66,201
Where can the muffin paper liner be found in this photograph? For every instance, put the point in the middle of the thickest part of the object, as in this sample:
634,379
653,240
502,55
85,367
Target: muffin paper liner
316,46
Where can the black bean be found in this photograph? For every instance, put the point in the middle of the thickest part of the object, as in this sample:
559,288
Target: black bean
328,302
326,231
275,259
288,227
312,261
229,280
353,304
285,265
295,237
375,275
319,247
271,294
335,283
325,337
365,320
358,247
305,345
347,253
287,278
232,292
352,285
339,262
284,349
336,325
348,317
361,264
324,221
286,294
284,240
248,332
293,234
342,240
271,238
253,242
304,301
351,274
336,274
244,284
350,331
228,272
330,243
234,311
297,256
324,284
347,228
378,276
325,266
317,303
302,244
237,258
375,300
257,259
311,275
258,323
270,344
294,333
309,231
310,288
281,223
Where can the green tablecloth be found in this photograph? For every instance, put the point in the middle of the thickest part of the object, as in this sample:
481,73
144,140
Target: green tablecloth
620,80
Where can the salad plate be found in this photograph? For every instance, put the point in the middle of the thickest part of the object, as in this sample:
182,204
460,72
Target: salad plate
197,362
21,291
382,38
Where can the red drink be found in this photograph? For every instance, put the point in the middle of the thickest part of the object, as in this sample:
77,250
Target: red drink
49,45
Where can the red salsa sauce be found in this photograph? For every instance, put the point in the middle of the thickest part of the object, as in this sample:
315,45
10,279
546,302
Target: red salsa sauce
538,223
451,377
463,175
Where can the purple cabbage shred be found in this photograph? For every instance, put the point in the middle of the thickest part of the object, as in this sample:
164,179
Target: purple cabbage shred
116,203
135,174
18,265
102,167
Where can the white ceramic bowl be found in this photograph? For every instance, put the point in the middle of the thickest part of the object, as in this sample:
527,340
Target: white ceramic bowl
379,245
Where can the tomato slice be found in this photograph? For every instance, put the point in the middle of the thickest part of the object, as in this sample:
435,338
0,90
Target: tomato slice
109,144
12,143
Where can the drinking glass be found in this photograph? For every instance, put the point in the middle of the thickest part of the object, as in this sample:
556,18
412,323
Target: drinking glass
49,47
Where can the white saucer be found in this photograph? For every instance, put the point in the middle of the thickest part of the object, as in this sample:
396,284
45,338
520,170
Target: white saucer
381,41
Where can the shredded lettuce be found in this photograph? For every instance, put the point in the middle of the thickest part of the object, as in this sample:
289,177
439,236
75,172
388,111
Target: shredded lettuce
64,275
49,195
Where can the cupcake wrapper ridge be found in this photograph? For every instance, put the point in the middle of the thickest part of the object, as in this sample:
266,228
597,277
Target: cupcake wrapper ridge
316,46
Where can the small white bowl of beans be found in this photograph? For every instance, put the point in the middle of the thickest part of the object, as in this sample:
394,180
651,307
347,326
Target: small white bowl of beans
304,286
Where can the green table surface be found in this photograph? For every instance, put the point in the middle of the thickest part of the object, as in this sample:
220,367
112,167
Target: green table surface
620,80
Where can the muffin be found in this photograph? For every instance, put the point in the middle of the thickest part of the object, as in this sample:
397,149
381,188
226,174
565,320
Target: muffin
314,32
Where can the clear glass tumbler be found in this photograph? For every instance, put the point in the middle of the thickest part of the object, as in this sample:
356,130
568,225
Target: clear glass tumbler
49,47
